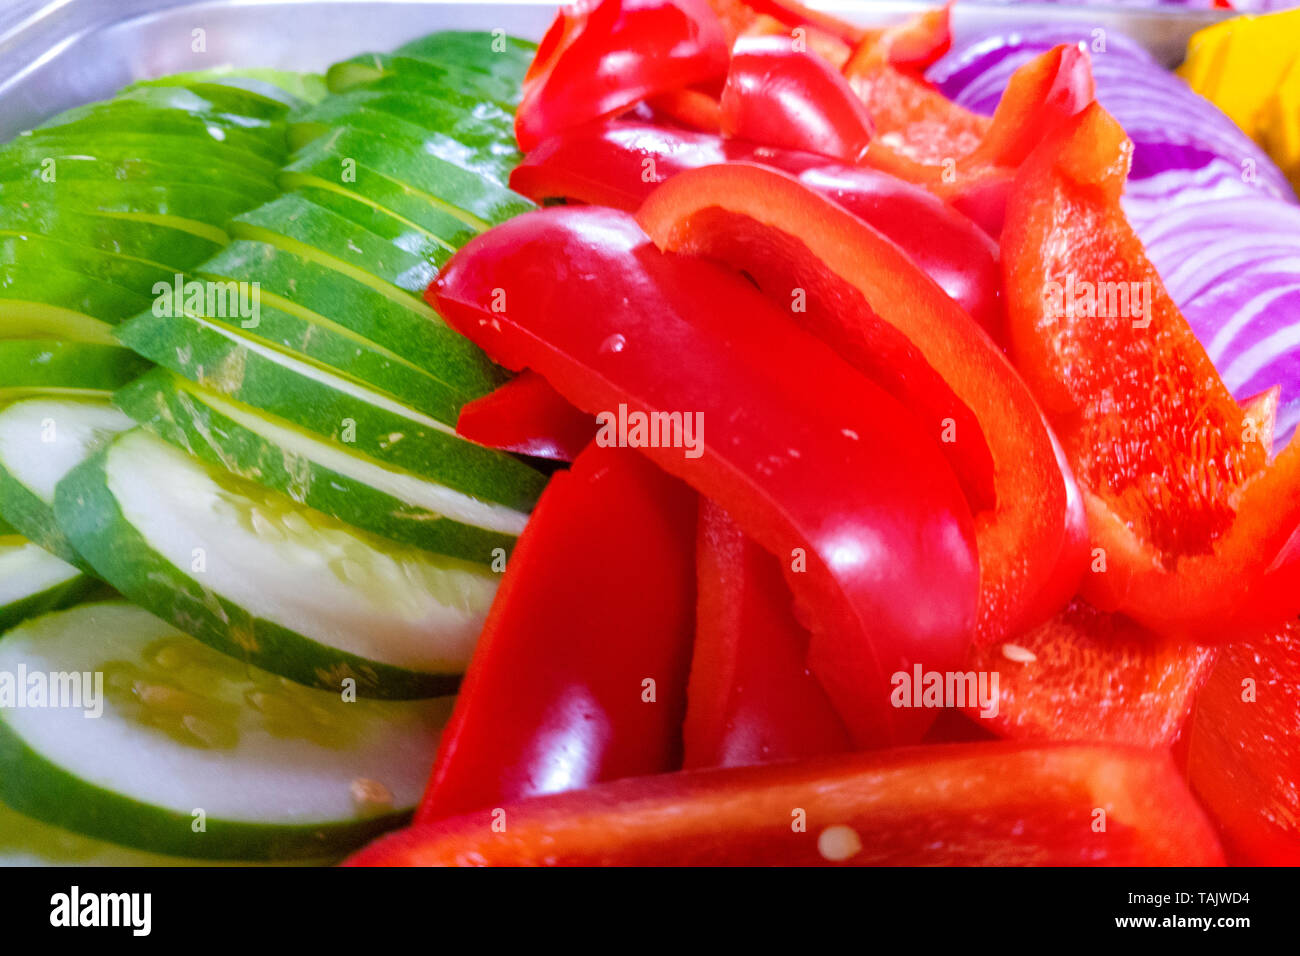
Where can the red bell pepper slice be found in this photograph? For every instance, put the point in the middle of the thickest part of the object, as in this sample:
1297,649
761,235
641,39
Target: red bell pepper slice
964,804
863,297
597,598
962,157
913,45
1244,752
1090,676
827,46
601,56
816,463
1199,533
750,698
619,164
690,109
778,95
528,417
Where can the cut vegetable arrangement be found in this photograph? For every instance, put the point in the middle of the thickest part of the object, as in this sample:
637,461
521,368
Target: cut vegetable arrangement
587,452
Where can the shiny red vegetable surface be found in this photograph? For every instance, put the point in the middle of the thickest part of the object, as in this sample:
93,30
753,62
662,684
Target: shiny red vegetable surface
816,463
597,599
1000,804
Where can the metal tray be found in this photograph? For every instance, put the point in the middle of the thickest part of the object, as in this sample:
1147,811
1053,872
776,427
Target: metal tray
55,54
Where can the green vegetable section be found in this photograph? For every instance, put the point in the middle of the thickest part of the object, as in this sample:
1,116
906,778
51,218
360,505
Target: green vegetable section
180,750
286,486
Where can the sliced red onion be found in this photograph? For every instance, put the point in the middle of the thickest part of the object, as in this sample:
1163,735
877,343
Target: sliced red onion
1184,146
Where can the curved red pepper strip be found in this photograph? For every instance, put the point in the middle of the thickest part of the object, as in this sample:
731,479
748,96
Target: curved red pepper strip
597,598
817,464
601,56
995,803
619,164
1200,535
1244,753
781,95
861,290
750,698
690,109
528,417
740,15
961,157
1090,676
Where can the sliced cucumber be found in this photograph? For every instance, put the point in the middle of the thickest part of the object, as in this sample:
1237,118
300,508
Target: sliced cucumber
197,754
269,581
126,144
33,581
335,408
297,225
320,171
353,488
475,200
51,365
289,89
323,296
185,202
494,157
67,164
41,440
37,252
378,221
140,239
342,350
51,302
452,112
491,52
389,70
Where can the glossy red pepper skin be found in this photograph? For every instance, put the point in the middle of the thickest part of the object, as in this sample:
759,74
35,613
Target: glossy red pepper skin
619,164
912,45
597,598
527,417
1244,751
815,462
1199,531
751,698
601,56
997,803
780,95
1090,676
741,15
863,296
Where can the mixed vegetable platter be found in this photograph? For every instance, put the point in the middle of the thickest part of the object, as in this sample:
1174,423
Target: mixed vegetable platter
720,433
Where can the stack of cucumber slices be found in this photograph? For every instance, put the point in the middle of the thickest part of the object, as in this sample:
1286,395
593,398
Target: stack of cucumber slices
223,397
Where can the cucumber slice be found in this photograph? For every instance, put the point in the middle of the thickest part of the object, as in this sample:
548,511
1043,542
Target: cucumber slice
26,841
33,581
323,296
36,253
51,302
31,165
164,159
269,581
140,239
184,202
293,223
409,207
127,143
357,490
459,115
468,196
278,772
342,350
377,70
176,111
289,89
50,365
503,55
313,398
41,440
378,221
